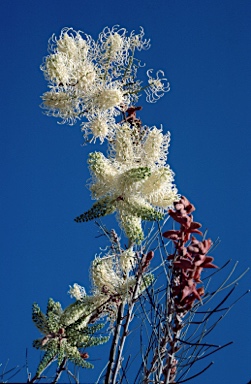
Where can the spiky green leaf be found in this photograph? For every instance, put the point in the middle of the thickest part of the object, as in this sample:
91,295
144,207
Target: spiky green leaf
53,313
47,358
39,319
102,207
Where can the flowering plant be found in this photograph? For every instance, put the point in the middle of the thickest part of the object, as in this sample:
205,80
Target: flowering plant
95,82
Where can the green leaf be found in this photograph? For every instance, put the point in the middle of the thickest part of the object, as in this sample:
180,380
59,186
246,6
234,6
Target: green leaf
74,355
48,357
102,207
53,313
61,352
91,329
144,211
76,311
94,341
39,319
132,226
54,307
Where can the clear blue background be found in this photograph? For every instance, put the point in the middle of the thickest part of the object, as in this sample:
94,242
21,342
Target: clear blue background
204,47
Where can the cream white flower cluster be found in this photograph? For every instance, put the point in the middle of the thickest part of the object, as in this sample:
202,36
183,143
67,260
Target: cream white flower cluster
78,292
133,180
114,276
110,274
96,80
113,280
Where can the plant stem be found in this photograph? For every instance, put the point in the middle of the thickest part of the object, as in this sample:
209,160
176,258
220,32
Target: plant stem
37,377
60,369
129,316
115,342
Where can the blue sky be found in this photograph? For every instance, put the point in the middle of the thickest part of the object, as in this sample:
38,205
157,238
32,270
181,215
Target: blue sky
204,47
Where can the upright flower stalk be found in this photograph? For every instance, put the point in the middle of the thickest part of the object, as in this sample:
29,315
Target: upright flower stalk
95,83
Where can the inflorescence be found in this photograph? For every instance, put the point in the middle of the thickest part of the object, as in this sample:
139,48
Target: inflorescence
96,83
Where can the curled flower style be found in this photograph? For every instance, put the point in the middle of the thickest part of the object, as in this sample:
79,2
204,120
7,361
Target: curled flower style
157,87
109,98
116,51
77,292
108,275
101,125
71,42
138,41
57,103
114,45
70,62
132,181
57,68
140,145
96,80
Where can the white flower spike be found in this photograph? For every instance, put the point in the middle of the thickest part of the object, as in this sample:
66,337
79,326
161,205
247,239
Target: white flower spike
95,81
134,180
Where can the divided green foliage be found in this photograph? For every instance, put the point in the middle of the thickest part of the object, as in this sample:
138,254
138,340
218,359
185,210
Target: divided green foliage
102,207
39,319
53,313
47,358
65,333
143,211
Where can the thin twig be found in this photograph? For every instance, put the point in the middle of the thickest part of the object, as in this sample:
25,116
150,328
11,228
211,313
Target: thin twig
60,369
129,317
115,342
